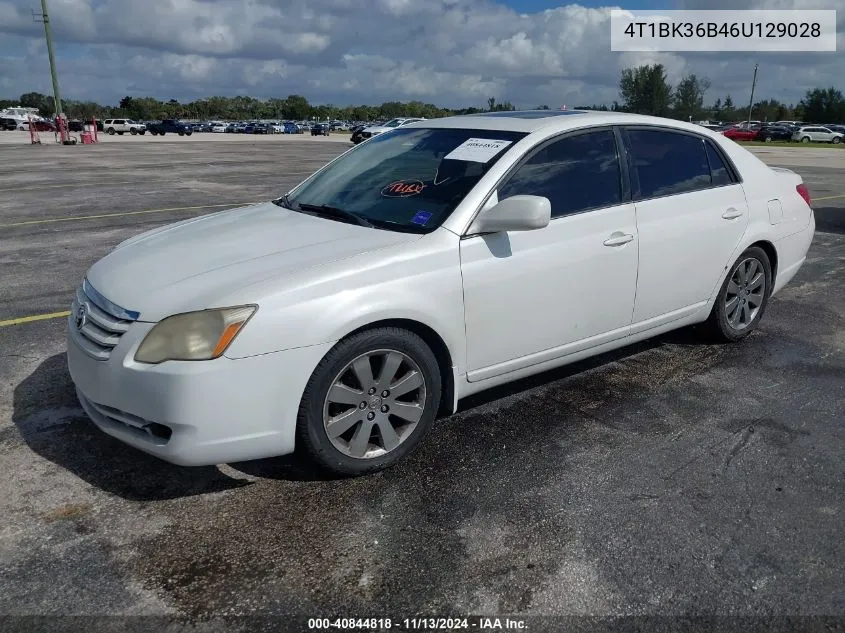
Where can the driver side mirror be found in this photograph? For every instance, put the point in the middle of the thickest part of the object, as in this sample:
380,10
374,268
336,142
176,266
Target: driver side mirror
517,213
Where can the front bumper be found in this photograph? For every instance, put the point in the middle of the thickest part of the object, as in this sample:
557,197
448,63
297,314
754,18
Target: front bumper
194,413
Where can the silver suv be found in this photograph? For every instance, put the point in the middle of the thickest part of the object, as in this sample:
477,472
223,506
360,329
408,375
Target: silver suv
119,126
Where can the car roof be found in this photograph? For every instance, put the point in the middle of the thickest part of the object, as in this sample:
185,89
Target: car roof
549,120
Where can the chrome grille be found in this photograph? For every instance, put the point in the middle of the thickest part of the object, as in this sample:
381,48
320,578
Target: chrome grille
100,331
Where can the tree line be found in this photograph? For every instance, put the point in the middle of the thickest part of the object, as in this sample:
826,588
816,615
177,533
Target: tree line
643,90
646,90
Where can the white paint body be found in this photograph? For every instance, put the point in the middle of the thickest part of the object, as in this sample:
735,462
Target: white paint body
506,305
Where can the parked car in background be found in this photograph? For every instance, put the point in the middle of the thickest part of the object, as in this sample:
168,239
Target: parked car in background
769,133
356,133
219,128
737,133
173,126
8,124
262,128
308,321
817,134
375,130
289,127
121,126
320,129
835,127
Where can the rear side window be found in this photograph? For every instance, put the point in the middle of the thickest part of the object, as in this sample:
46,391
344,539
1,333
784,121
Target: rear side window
718,170
666,163
576,173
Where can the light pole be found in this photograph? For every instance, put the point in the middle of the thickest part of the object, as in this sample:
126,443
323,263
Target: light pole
750,101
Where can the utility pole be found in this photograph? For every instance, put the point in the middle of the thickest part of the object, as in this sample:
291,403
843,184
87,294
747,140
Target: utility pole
48,33
750,102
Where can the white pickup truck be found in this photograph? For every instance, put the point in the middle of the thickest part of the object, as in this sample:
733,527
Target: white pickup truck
120,126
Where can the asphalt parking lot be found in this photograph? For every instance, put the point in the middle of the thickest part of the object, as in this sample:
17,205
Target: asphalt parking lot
672,477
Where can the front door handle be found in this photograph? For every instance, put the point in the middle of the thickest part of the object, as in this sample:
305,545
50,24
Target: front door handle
732,214
618,239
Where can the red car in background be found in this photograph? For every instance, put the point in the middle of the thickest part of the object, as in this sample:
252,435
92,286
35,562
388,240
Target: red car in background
741,133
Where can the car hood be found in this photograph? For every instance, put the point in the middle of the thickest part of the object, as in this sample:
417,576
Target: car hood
377,129
197,263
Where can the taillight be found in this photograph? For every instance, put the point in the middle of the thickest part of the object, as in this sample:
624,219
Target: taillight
804,193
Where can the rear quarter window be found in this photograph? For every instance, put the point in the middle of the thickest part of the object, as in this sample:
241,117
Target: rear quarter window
665,163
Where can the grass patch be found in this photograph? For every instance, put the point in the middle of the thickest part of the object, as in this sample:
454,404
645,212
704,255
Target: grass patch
67,512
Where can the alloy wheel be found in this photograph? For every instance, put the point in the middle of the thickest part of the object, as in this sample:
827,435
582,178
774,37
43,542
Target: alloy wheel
374,404
745,293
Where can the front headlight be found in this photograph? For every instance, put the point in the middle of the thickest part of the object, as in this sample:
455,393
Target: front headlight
202,335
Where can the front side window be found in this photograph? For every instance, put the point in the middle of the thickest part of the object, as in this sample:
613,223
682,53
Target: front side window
666,163
408,179
576,173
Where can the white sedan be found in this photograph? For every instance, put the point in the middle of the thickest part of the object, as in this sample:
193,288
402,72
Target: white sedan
434,261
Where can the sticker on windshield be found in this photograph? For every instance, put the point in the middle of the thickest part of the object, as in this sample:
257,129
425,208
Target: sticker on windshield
421,217
477,150
403,189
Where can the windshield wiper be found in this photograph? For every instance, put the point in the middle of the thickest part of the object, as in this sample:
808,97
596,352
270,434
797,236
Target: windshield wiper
334,212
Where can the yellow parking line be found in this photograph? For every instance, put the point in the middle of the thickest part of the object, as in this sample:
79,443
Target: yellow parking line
36,317
233,205
841,195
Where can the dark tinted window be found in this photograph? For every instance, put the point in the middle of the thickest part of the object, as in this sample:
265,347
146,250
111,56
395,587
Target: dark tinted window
575,173
718,170
667,163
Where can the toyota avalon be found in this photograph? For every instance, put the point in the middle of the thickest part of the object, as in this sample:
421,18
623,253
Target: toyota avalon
434,261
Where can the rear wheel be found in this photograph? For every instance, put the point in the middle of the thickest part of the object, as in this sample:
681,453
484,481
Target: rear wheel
743,297
768,139
189,132
369,402
805,139
133,131
181,133
110,131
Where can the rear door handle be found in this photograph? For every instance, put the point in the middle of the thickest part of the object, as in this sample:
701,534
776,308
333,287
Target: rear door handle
618,239
732,214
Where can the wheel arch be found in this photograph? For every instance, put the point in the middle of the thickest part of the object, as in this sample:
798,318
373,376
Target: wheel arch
438,347
772,254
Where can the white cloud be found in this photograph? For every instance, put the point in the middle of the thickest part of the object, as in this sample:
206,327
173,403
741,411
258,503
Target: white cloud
451,52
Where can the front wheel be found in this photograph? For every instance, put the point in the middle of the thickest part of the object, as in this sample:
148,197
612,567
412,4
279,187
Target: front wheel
743,297
805,139
111,131
133,131
836,140
188,132
369,402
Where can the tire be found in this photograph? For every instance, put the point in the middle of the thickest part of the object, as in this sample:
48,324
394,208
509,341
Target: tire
413,359
805,139
110,131
189,133
161,133
722,323
836,140
133,131
767,139
181,133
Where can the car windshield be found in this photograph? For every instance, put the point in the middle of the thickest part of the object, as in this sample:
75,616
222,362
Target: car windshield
409,179
393,123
